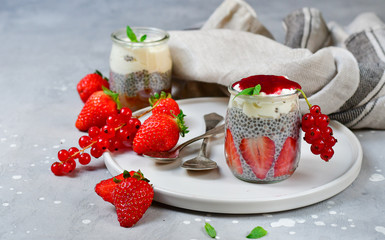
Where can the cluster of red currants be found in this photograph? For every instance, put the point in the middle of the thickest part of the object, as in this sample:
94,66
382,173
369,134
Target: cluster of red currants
118,133
318,133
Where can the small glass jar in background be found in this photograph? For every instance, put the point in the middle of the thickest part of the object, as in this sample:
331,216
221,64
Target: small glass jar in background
262,136
140,69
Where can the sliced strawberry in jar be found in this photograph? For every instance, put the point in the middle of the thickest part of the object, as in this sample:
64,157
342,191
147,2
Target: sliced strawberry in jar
258,154
232,159
285,164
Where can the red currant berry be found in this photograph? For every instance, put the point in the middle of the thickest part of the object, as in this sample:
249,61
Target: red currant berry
327,153
93,132
84,141
96,152
135,122
113,121
63,155
322,121
114,145
125,114
67,168
330,141
57,168
314,150
102,143
72,164
313,133
73,152
108,131
327,132
308,121
84,159
315,110
319,144
123,133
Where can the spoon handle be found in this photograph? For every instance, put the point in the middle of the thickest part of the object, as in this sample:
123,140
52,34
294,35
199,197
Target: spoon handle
209,133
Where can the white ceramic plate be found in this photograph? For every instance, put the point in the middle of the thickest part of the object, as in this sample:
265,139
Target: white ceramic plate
219,191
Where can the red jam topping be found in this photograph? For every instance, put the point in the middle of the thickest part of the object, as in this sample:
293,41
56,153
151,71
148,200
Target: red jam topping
270,84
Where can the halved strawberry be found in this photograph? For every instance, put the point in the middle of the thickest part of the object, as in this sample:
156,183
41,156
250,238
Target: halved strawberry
232,159
285,164
258,154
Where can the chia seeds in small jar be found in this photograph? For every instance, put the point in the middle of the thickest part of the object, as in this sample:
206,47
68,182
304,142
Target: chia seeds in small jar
263,132
140,69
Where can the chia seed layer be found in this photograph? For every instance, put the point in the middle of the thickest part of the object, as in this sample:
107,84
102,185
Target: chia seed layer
131,83
277,129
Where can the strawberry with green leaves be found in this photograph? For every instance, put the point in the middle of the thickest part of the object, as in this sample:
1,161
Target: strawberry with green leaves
91,83
163,103
99,106
130,193
132,197
159,133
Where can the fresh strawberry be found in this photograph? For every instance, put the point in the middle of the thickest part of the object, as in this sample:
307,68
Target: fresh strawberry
164,104
258,154
105,188
132,197
91,83
99,106
285,163
159,133
232,159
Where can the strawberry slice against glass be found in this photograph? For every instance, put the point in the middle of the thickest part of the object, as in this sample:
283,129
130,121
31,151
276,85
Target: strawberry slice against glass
232,157
258,154
286,161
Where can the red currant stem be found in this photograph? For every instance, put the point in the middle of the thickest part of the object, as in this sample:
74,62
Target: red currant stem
304,96
117,128
148,111
78,152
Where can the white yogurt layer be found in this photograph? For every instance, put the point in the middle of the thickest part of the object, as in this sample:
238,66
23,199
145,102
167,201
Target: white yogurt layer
124,60
271,106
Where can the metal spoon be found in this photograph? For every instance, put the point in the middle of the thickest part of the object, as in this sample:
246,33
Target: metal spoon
166,157
202,162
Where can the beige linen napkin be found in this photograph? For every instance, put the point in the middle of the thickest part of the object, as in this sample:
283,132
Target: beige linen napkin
346,81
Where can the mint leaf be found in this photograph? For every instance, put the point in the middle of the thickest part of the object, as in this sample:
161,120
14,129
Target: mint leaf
257,232
131,35
210,230
143,38
257,89
250,91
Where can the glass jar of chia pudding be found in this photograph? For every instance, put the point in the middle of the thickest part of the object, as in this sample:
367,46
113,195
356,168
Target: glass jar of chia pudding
262,132
140,69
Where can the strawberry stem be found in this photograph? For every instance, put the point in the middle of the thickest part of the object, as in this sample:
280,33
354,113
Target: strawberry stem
304,96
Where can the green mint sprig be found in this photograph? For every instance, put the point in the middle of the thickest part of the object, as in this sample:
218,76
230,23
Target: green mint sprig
257,232
132,36
252,91
210,230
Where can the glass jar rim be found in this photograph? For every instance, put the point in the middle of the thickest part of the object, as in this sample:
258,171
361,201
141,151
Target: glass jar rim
265,97
115,36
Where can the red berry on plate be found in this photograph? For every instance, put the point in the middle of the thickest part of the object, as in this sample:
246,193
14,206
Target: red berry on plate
313,134
125,114
327,132
327,153
319,144
91,83
308,121
163,103
330,141
322,121
96,152
160,132
315,110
